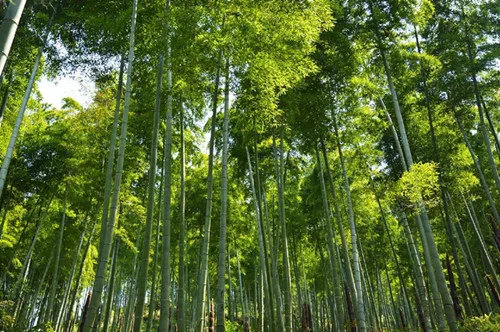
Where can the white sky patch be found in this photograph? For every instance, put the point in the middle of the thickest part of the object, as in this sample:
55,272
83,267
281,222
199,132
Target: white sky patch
76,86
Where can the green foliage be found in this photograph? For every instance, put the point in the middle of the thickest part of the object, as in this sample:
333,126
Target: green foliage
232,326
304,68
486,323
418,184
6,319
44,327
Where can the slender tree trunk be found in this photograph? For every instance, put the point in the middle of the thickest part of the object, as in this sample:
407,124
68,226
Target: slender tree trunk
428,234
167,192
494,291
453,289
68,323
446,217
271,272
469,263
111,156
271,275
8,29
20,283
40,283
132,292
484,132
280,183
108,238
5,98
490,123
50,306
479,105
17,126
144,262
230,297
350,308
243,311
300,298
478,168
360,310
221,270
70,278
338,318
261,318
263,267
112,279
495,232
152,301
345,250
427,321
199,311
424,302
434,288
484,248
181,314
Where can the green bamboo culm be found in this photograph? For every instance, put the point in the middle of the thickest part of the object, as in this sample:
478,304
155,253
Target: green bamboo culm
144,260
20,115
105,248
221,270
8,29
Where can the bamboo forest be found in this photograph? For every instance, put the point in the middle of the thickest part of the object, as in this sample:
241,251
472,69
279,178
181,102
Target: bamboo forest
250,165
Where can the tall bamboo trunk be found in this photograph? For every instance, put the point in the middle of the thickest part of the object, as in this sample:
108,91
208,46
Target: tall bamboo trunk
167,193
112,279
280,183
495,232
446,217
265,289
300,298
18,288
271,263
3,107
181,314
62,307
111,155
434,289
437,269
105,249
421,287
345,250
479,171
221,269
144,261
230,295
55,276
453,289
132,292
271,272
8,29
338,303
360,310
469,262
425,311
199,311
153,292
240,283
484,248
36,294
490,123
480,110
27,93
71,304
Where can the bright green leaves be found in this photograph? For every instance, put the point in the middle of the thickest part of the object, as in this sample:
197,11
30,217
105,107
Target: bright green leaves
418,184
270,42
422,13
